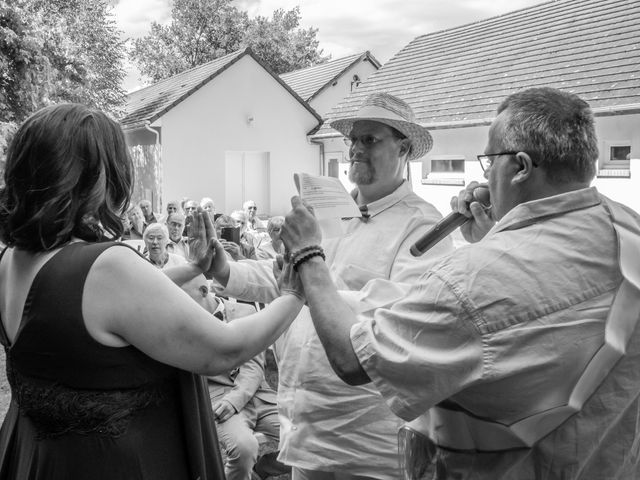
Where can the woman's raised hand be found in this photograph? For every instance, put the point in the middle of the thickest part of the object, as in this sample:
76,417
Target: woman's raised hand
202,239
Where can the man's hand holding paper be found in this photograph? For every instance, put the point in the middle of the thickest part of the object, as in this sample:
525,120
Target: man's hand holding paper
301,229
330,201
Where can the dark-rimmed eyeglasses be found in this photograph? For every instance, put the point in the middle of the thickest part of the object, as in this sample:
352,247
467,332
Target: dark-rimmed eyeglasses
486,160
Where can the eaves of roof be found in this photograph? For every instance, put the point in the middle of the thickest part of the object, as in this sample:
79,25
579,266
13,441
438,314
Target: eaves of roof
611,110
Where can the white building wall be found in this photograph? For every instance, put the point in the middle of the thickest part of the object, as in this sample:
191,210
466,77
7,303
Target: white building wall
614,129
242,109
333,94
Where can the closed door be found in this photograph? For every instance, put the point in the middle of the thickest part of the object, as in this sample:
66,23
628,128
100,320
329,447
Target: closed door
247,177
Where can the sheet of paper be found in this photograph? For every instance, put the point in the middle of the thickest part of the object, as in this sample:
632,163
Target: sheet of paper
327,196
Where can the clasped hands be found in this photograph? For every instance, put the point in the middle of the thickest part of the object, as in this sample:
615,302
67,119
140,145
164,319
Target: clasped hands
208,253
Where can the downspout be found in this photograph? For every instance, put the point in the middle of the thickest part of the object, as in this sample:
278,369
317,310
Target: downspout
147,126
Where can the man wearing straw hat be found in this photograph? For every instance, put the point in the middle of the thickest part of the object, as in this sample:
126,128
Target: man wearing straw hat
330,430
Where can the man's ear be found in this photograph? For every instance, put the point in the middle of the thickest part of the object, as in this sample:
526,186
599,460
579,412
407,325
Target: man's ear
525,169
405,146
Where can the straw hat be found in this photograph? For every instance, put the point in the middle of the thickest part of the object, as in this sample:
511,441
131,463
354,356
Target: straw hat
390,110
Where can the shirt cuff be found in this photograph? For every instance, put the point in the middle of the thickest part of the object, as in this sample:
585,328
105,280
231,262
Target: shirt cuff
238,280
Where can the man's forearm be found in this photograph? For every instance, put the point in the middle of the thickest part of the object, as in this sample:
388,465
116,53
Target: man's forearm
332,319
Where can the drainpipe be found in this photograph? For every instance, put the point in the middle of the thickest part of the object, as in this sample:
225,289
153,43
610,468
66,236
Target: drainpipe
147,126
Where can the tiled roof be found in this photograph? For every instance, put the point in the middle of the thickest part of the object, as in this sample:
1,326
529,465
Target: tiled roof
457,77
308,82
150,103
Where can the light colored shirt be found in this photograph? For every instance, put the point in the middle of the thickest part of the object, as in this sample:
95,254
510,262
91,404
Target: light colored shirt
325,423
502,329
256,225
180,247
266,251
172,261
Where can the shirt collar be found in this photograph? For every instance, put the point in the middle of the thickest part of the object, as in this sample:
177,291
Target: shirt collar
380,205
535,211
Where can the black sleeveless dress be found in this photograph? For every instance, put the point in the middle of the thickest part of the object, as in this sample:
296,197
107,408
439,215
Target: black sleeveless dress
83,410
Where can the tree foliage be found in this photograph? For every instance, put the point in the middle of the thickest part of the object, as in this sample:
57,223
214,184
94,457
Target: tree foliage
200,31
282,44
54,51
203,30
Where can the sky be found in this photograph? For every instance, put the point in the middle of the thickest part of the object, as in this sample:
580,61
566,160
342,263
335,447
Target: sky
345,27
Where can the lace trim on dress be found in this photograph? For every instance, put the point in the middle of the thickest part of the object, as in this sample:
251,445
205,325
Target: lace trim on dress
56,410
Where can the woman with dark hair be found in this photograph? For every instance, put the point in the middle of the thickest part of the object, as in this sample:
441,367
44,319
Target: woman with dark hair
99,342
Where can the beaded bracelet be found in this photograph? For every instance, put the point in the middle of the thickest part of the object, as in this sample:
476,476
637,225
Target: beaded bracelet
307,256
293,255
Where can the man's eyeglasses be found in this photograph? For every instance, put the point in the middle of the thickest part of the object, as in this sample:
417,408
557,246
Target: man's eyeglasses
486,160
367,141
252,208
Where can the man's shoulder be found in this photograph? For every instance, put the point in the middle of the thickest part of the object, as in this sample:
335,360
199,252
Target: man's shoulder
418,208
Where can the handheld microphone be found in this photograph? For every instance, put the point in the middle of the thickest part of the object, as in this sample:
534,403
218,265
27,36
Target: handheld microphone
448,224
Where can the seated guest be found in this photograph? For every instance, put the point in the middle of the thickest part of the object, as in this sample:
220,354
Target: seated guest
238,251
156,238
190,207
252,237
274,246
126,227
136,221
147,211
242,401
209,206
254,224
173,206
178,244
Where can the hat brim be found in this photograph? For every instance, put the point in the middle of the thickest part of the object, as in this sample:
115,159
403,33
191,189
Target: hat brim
421,140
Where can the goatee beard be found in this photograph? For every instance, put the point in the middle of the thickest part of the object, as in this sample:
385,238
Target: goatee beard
361,173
